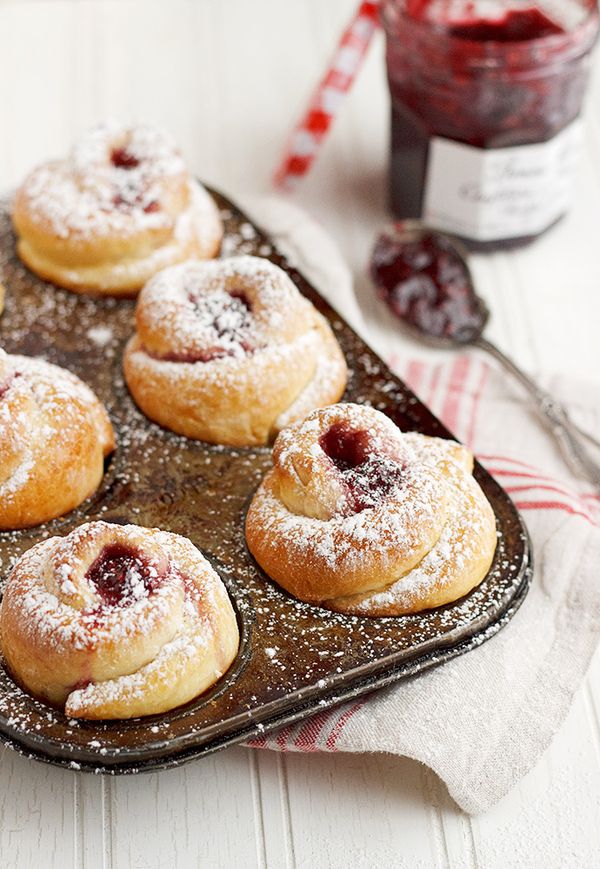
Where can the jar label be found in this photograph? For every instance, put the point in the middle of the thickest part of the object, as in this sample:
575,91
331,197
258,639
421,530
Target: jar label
499,193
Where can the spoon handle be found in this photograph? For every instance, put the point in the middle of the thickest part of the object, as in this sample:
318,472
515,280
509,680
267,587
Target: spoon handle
555,417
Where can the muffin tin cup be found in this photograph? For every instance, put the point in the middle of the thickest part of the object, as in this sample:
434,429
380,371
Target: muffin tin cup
295,659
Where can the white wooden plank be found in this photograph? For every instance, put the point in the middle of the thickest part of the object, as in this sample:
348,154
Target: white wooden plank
276,822
37,75
592,691
360,811
452,827
198,815
37,818
92,807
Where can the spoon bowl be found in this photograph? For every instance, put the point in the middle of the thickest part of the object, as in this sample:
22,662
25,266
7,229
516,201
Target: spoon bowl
424,277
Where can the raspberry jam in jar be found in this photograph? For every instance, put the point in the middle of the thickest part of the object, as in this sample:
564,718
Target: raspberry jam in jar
486,97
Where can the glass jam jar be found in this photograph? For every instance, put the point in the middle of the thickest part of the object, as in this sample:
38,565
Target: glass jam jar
486,98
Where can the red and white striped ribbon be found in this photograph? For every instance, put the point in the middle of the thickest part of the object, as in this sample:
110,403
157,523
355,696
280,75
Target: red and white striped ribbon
310,131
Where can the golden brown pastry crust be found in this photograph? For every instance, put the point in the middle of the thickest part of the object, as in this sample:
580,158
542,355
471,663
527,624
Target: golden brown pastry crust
54,437
121,207
229,352
116,622
366,520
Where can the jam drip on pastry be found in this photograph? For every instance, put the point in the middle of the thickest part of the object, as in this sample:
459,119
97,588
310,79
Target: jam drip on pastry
6,384
119,208
369,476
122,576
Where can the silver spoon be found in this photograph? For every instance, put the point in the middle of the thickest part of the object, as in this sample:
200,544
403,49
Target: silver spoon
457,317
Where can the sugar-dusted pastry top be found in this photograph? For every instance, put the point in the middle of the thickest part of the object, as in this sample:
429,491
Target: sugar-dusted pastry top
119,208
54,437
116,621
229,351
365,519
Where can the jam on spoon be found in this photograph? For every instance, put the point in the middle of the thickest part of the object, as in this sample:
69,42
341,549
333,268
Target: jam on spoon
424,278
421,275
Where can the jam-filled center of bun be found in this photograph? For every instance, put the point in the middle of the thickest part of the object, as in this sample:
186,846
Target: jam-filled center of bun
6,384
121,158
120,576
130,190
225,313
223,320
370,477
347,447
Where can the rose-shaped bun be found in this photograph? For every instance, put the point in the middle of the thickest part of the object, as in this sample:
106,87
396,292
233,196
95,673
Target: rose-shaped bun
54,437
116,621
229,352
364,519
118,209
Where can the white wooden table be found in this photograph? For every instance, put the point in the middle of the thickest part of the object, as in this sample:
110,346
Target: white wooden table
228,78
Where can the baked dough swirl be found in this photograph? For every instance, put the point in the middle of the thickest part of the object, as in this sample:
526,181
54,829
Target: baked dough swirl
121,207
116,621
364,519
54,437
229,352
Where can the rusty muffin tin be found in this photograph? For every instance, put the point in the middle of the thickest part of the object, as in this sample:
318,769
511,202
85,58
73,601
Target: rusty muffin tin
294,659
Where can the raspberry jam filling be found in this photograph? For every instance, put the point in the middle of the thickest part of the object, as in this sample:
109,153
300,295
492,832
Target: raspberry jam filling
223,320
6,384
347,447
121,158
516,25
121,575
489,75
130,192
370,477
128,198
425,283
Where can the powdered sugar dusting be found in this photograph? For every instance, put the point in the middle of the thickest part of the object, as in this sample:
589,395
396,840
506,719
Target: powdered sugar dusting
239,323
352,505
130,599
88,195
100,335
202,491
42,403
175,657
237,305
469,524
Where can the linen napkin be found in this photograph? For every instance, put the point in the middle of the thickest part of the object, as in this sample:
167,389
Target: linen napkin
482,720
